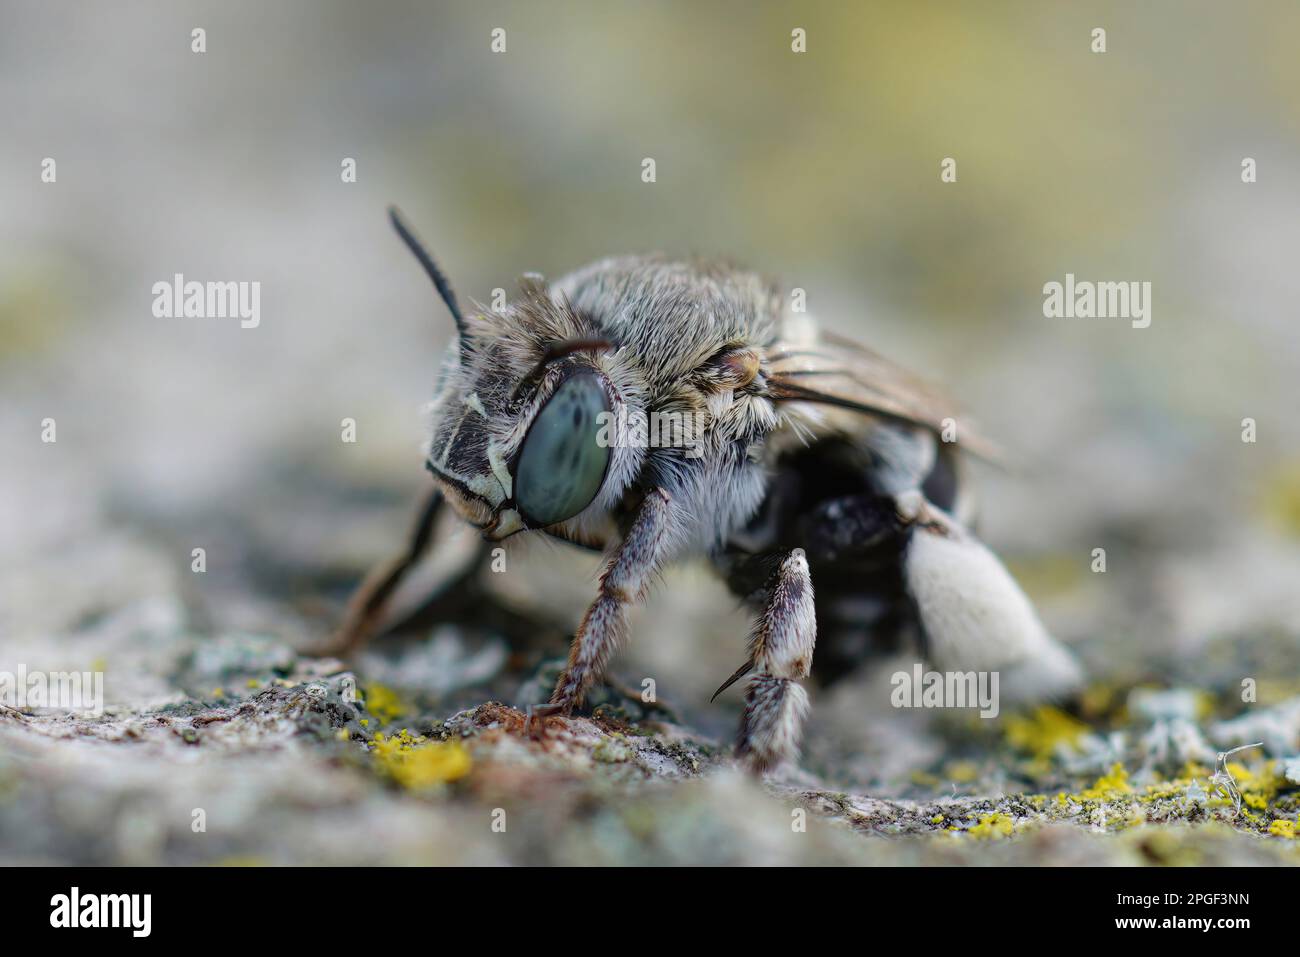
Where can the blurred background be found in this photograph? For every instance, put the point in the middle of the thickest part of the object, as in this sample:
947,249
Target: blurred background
820,169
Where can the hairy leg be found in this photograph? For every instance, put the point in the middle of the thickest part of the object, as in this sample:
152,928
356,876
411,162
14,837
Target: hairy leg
971,614
852,544
780,655
625,581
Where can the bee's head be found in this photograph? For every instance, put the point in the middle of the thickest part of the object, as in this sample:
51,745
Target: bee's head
522,414
517,447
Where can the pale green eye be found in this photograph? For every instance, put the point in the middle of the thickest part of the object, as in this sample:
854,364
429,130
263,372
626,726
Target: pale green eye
561,465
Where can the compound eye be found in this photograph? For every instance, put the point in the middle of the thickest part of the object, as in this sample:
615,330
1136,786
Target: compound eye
561,465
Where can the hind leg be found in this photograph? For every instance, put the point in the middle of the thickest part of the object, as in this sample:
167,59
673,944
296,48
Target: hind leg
925,565
973,615
780,655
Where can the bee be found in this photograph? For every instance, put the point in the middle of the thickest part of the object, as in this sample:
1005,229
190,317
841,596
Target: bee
816,476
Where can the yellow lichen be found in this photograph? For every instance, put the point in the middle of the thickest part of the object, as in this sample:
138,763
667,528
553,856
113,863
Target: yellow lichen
993,826
416,763
1282,828
383,702
1043,731
1257,787
1109,786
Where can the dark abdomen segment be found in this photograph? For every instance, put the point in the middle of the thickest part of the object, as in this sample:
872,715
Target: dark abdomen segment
821,499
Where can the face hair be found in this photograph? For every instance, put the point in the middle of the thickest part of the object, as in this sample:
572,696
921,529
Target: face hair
439,280
553,354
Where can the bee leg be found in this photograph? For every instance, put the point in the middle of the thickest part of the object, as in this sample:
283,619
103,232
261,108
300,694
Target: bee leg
973,615
535,716
780,652
366,606
625,580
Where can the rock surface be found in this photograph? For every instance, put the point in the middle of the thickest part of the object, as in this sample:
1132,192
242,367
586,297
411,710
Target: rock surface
288,759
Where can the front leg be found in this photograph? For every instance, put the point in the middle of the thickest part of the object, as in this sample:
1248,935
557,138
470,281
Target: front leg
780,654
625,581
367,605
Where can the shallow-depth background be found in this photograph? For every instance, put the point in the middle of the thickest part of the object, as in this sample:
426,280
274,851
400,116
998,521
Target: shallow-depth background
821,169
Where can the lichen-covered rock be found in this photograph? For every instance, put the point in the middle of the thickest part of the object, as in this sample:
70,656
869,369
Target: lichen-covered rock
304,766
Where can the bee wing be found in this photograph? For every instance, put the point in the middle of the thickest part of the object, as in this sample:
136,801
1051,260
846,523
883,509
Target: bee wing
809,365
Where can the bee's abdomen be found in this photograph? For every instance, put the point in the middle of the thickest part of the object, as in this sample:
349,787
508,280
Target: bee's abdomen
826,499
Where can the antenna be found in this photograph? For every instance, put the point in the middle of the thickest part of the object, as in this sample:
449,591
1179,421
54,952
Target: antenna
439,280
